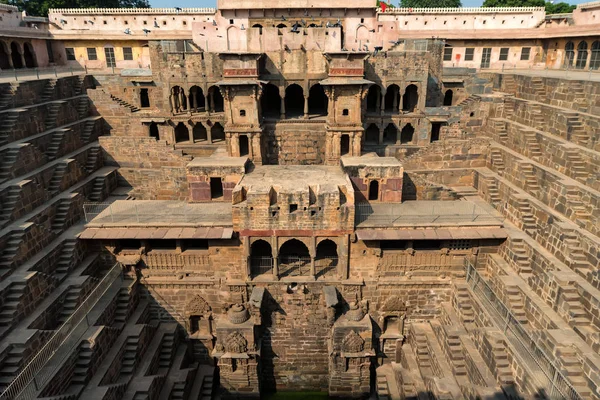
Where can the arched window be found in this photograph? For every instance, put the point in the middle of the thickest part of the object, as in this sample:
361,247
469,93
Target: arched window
326,259
16,55
595,59
4,64
392,97
244,146
372,134
390,134
410,98
29,55
217,133
216,99
317,100
294,259
196,98
569,54
182,133
270,101
448,97
259,26
261,258
374,190
294,101
374,99
282,26
582,55
406,136
178,99
200,133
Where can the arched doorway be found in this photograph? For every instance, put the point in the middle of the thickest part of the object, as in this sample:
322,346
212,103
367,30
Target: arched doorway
374,99
317,100
154,130
392,96
16,55
582,55
259,26
182,133
29,56
595,59
448,97
217,133
261,258
216,98
294,101
4,63
234,38
406,136
410,99
270,102
326,260
372,134
294,259
569,54
390,134
200,133
178,99
196,97
374,190
244,146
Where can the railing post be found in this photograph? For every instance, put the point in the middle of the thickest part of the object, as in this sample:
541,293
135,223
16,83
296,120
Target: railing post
16,77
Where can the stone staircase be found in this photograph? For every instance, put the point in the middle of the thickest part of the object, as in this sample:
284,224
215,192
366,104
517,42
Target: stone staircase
51,116
514,298
576,315
499,127
469,100
129,357
493,192
10,251
9,120
122,310
576,258
529,222
578,207
11,304
504,373
55,144
383,390
508,84
49,89
60,215
521,259
65,260
83,364
539,89
7,159
535,152
70,304
78,85
9,202
91,163
509,107
497,160
125,104
178,391
98,189
166,353
578,166
87,131
57,177
11,366
7,94
531,182
463,305
577,130
83,107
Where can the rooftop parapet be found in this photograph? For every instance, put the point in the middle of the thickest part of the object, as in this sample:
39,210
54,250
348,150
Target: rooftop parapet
290,4
104,11
462,10
591,4
6,7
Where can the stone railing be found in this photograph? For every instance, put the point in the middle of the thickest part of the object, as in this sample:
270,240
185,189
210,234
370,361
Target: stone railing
591,4
6,7
89,11
461,10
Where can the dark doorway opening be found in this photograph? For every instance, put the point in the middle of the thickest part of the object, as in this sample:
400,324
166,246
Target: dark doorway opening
216,188
217,133
4,63
372,134
326,260
144,99
244,147
29,56
182,133
392,96
410,98
16,55
200,134
406,136
154,130
217,99
317,100
435,131
294,101
261,258
294,259
374,190
270,102
390,134
448,97
345,145
374,99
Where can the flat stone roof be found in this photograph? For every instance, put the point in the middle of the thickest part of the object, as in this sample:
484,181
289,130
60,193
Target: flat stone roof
426,213
371,161
293,178
158,213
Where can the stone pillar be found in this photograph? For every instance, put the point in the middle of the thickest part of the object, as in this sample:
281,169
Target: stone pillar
193,100
171,101
402,93
208,134
247,253
313,255
275,254
357,136
382,102
380,135
255,149
395,103
343,272
282,108
206,104
212,101
191,131
9,55
305,107
180,96
378,103
23,59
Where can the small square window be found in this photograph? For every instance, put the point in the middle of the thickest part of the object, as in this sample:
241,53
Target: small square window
469,52
126,22
242,113
164,22
145,22
105,22
525,53
503,54
91,52
293,208
448,53
184,23
70,53
362,20
231,21
345,111
127,54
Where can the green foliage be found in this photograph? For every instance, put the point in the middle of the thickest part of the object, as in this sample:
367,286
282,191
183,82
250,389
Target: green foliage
430,3
40,7
559,8
388,5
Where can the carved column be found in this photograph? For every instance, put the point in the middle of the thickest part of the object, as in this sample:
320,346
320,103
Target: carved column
380,134
395,103
313,255
275,254
382,102
191,131
282,107
305,107
193,100
206,104
208,134
247,254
